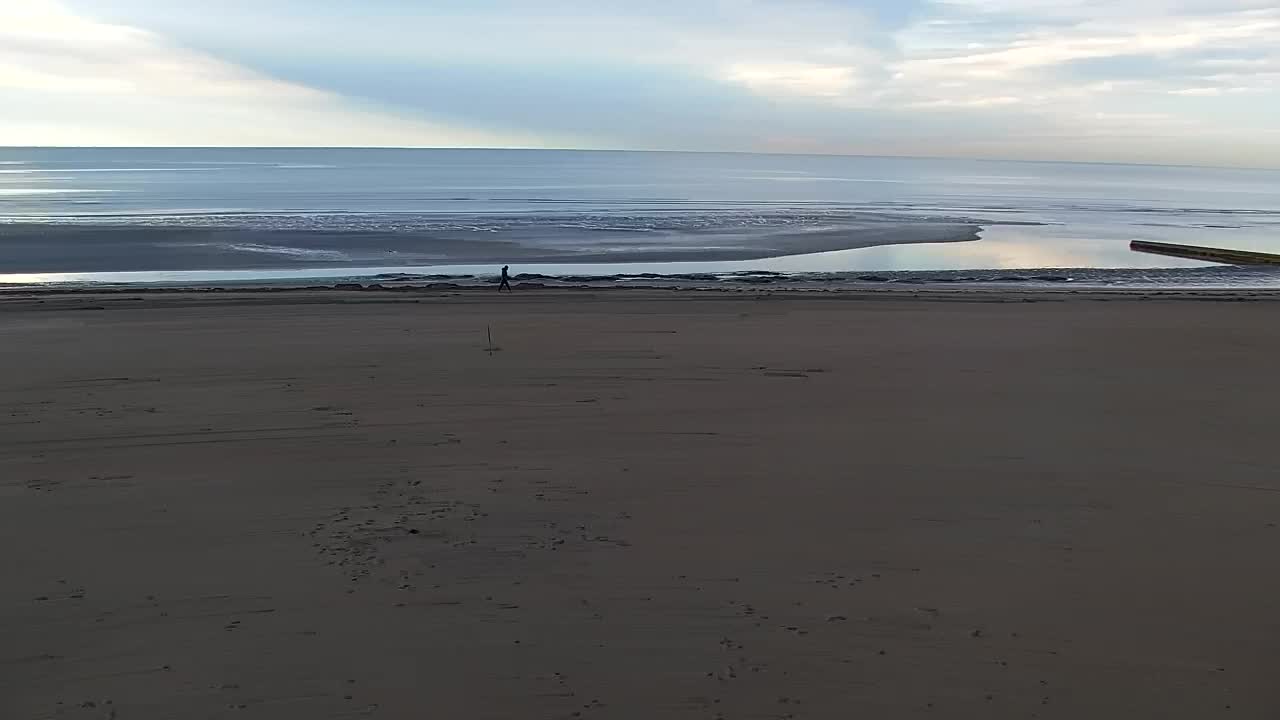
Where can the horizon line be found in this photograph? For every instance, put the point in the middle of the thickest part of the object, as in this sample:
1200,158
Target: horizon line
639,150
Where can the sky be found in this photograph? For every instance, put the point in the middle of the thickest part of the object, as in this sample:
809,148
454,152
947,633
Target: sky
1158,81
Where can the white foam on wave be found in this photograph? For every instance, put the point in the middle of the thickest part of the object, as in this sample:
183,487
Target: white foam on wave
995,179
308,253
121,170
46,191
817,178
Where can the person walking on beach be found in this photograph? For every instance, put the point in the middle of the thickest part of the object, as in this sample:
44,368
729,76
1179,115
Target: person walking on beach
506,279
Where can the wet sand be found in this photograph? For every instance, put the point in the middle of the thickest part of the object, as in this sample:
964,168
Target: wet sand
638,505
45,248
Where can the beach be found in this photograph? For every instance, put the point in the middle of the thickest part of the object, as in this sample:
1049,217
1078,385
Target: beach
638,504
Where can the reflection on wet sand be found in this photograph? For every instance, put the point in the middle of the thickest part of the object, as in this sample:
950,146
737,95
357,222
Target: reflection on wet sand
1090,253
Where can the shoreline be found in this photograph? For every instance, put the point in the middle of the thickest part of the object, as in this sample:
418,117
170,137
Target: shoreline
354,293
599,277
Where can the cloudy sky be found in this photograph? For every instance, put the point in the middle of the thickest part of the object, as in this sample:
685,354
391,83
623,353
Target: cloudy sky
1166,81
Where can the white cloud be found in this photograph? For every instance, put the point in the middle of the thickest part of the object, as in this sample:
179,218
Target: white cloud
794,78
68,79
972,101
1022,58
1213,91
1049,62
46,48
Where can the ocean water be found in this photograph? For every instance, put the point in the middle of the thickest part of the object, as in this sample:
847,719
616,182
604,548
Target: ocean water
119,215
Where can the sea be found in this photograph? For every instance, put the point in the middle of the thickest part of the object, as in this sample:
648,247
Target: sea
249,215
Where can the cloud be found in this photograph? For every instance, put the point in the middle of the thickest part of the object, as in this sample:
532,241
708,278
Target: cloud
799,44
1102,71
1212,91
794,78
1182,80
68,79
46,48
1031,56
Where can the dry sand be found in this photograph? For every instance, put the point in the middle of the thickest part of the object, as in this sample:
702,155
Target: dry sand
644,505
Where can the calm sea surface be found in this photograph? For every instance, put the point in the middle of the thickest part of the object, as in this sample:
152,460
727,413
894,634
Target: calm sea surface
211,214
